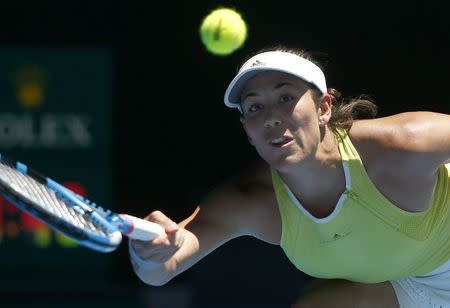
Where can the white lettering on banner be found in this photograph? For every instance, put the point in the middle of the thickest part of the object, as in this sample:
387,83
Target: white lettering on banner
47,130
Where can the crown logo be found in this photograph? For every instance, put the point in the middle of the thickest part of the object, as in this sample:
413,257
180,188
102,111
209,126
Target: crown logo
30,85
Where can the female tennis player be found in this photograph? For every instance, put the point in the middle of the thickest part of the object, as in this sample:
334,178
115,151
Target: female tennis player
360,202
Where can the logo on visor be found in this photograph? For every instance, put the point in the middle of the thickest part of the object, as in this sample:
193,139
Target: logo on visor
257,63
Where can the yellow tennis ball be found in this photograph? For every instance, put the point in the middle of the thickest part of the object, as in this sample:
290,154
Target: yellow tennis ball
223,31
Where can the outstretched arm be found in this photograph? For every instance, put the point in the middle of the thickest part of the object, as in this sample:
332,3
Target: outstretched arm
242,205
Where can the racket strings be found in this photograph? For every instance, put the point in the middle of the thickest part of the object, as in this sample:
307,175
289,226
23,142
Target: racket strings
41,195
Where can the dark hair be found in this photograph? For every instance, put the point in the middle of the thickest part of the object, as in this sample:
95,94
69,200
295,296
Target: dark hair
345,109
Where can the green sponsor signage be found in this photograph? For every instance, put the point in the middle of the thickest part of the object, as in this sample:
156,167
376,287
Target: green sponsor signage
55,116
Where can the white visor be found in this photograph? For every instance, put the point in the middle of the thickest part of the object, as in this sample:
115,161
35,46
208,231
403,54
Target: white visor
273,61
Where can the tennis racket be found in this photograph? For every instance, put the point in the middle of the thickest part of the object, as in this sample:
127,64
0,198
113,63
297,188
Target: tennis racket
67,212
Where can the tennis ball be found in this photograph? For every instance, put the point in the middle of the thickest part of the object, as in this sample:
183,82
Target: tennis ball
223,31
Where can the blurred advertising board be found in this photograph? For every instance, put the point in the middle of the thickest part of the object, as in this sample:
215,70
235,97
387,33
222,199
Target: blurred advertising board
55,116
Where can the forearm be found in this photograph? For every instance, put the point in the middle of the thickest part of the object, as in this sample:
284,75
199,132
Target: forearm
223,217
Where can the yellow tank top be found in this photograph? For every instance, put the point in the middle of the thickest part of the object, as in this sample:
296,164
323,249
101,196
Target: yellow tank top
366,238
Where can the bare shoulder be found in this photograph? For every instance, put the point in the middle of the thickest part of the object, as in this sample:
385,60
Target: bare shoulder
419,138
406,131
244,204
259,209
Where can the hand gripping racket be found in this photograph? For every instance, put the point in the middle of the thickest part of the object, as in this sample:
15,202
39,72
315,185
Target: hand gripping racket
69,213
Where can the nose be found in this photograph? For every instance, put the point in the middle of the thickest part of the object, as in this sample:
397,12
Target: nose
272,122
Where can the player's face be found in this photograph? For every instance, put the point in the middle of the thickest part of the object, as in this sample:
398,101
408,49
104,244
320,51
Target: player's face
281,118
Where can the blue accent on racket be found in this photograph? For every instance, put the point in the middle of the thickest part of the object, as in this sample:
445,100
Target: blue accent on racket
67,212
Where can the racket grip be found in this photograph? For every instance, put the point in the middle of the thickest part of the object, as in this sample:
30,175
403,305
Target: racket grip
141,229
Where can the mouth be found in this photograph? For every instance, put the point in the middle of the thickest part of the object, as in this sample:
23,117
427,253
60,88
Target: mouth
280,141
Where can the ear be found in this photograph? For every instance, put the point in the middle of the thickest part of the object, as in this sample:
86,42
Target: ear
324,109
245,129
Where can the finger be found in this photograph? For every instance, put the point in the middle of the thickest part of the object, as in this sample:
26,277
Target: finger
164,221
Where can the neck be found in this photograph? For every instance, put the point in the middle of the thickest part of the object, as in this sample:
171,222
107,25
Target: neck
321,177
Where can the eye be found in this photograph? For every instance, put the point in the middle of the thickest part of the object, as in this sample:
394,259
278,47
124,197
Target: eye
285,99
254,107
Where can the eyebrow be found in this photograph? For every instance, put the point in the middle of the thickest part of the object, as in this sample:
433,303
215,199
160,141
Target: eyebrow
276,87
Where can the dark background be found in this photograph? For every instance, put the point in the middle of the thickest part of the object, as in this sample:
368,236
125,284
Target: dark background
173,138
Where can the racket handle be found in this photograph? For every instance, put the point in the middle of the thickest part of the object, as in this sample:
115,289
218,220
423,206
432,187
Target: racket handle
141,229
